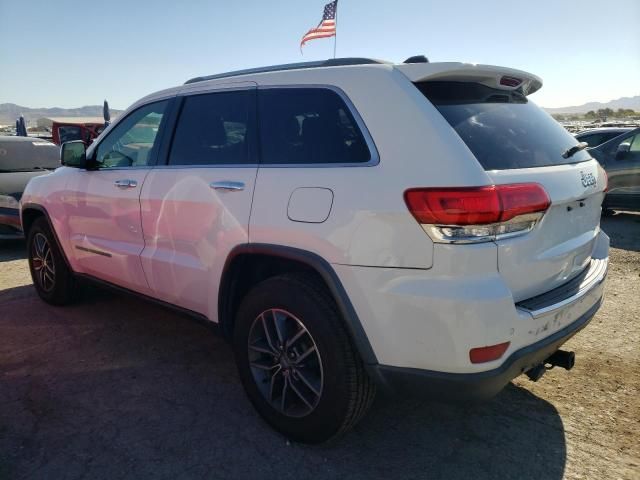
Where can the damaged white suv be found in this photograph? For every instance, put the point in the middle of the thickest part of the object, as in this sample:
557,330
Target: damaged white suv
349,224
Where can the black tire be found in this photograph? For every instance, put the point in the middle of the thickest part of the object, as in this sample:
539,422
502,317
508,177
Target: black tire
346,391
57,288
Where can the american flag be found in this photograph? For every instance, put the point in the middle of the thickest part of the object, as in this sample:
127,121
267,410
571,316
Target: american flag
326,28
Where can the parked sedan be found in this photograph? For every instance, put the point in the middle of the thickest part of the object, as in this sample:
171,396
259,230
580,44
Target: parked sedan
620,157
21,159
597,136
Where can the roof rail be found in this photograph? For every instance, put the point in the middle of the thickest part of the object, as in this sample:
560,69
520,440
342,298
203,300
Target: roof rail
332,62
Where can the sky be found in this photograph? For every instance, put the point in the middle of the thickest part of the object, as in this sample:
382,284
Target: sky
68,53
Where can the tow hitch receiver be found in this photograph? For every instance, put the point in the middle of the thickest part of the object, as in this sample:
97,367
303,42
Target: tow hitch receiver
560,358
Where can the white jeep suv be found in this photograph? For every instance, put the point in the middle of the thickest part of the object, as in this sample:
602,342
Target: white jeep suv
349,224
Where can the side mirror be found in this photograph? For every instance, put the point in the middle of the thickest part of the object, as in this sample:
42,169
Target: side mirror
622,150
74,154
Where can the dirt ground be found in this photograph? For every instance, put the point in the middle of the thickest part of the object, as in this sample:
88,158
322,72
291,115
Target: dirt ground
117,388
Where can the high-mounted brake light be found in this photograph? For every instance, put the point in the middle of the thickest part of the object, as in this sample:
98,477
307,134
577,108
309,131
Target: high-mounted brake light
476,214
510,81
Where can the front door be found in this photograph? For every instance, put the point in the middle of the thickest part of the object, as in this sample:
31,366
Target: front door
103,204
196,208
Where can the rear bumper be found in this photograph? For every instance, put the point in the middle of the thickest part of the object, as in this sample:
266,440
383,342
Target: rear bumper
422,324
480,385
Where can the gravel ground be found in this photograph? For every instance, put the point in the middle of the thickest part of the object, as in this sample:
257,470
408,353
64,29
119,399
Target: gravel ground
117,388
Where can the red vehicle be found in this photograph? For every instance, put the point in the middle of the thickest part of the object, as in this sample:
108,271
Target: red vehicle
80,129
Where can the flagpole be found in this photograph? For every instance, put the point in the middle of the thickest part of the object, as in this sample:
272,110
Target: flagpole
335,37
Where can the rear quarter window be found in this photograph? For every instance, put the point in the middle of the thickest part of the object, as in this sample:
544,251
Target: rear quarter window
308,126
502,128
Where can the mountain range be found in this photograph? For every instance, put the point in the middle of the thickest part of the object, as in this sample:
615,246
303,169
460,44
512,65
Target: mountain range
624,102
9,112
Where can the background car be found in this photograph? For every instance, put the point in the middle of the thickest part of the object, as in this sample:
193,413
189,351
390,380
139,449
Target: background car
21,159
620,157
597,136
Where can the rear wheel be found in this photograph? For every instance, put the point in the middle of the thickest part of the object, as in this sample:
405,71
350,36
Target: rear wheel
51,276
296,360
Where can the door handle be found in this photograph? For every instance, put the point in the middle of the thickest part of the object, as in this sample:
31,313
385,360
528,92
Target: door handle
227,186
126,183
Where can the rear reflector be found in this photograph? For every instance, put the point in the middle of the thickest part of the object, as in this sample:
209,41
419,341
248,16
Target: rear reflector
474,214
488,354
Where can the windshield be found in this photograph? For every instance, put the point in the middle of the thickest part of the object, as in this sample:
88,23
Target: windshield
502,128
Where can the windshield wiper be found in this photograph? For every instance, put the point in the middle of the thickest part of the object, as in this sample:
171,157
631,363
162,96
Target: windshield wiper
570,152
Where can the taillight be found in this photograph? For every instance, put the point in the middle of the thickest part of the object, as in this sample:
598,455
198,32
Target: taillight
477,214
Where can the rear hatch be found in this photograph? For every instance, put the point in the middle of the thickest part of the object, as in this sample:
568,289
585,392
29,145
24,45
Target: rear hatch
516,142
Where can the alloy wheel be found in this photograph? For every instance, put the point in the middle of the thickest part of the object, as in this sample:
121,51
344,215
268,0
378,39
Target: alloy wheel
285,363
42,261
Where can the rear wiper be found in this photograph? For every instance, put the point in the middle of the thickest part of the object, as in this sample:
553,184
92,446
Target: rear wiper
570,152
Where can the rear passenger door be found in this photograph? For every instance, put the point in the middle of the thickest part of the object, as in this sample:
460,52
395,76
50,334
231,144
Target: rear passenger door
316,155
195,207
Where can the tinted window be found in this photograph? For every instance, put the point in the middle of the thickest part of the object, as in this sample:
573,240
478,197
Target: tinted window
502,128
69,133
131,142
595,139
634,143
308,125
592,139
213,129
607,137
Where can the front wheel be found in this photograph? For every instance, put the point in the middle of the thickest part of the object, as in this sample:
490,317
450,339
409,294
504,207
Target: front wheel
296,360
51,276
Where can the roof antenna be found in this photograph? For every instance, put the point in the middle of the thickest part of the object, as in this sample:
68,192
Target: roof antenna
417,59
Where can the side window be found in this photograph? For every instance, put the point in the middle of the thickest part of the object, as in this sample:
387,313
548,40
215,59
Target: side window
308,126
629,144
131,143
214,129
595,139
635,143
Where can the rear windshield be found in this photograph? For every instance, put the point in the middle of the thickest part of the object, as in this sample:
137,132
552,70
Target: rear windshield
502,128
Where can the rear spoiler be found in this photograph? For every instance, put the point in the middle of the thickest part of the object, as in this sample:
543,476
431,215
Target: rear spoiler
489,75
